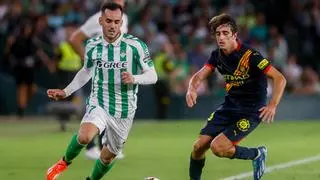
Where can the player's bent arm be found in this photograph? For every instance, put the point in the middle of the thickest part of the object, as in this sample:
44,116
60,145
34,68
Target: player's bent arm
81,78
279,84
147,77
199,76
76,40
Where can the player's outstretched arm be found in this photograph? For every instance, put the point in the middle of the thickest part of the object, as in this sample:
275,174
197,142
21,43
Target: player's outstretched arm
81,78
194,83
279,83
147,77
56,94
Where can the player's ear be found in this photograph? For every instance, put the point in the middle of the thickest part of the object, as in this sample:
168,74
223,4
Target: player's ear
235,35
100,20
121,23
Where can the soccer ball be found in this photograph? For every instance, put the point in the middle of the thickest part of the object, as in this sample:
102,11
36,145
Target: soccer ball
151,178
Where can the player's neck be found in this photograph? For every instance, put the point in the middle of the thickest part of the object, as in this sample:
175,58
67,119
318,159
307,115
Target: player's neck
235,46
113,39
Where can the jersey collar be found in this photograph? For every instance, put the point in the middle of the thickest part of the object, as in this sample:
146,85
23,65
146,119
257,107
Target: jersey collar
115,43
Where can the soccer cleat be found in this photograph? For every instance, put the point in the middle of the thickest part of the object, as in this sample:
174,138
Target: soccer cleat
88,178
259,163
55,170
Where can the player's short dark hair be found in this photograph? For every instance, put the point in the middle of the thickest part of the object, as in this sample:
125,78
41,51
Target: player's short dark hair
111,6
218,20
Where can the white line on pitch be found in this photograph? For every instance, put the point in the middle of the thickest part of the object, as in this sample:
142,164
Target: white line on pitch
276,167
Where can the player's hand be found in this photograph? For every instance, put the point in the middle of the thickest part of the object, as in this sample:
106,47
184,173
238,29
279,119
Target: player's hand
191,97
56,94
127,78
267,113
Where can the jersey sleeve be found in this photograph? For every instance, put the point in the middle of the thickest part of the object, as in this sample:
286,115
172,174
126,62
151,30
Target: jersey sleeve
257,61
92,27
212,61
145,60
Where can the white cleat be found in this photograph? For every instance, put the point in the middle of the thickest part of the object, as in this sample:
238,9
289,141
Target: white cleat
93,153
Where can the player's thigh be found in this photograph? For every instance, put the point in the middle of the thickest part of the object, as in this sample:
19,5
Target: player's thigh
94,117
117,132
216,123
243,124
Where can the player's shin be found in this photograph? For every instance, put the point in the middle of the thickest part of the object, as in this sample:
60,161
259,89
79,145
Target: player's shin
195,168
73,149
245,153
100,169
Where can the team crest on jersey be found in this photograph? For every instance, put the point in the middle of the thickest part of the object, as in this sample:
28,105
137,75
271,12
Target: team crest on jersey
99,55
243,125
122,54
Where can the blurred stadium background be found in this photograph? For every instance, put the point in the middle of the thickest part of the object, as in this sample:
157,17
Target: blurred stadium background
287,32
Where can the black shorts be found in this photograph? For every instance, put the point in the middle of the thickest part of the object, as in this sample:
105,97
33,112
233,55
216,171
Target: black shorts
235,125
24,75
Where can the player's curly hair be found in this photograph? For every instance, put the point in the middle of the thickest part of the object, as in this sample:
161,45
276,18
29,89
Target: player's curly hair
218,20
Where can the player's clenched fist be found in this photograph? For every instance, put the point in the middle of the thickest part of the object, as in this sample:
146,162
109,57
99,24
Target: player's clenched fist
127,78
56,94
191,97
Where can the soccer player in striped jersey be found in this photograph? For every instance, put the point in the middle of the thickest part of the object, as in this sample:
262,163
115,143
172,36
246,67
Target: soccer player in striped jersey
89,29
245,72
117,63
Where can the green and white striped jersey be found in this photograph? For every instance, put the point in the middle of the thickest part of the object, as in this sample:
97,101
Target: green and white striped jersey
107,61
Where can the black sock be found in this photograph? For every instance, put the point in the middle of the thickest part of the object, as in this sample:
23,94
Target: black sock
20,112
195,168
245,153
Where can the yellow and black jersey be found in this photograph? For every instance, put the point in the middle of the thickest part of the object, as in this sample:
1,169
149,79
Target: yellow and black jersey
244,73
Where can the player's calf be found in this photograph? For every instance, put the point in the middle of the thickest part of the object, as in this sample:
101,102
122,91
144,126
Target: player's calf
201,146
106,157
104,164
197,159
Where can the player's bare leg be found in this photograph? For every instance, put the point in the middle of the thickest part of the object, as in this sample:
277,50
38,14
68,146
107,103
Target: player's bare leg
22,98
86,132
221,146
102,165
197,159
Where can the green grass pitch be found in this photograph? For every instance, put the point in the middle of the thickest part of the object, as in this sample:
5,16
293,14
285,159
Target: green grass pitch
160,149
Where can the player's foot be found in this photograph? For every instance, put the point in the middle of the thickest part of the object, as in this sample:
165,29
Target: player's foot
259,163
88,178
120,155
93,153
55,170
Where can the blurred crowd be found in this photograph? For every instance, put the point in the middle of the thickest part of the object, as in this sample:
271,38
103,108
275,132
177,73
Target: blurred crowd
287,32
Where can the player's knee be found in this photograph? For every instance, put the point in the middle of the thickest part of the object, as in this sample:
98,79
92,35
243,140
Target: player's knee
197,147
83,139
198,150
106,159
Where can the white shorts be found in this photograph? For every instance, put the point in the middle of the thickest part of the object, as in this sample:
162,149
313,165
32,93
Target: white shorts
116,129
